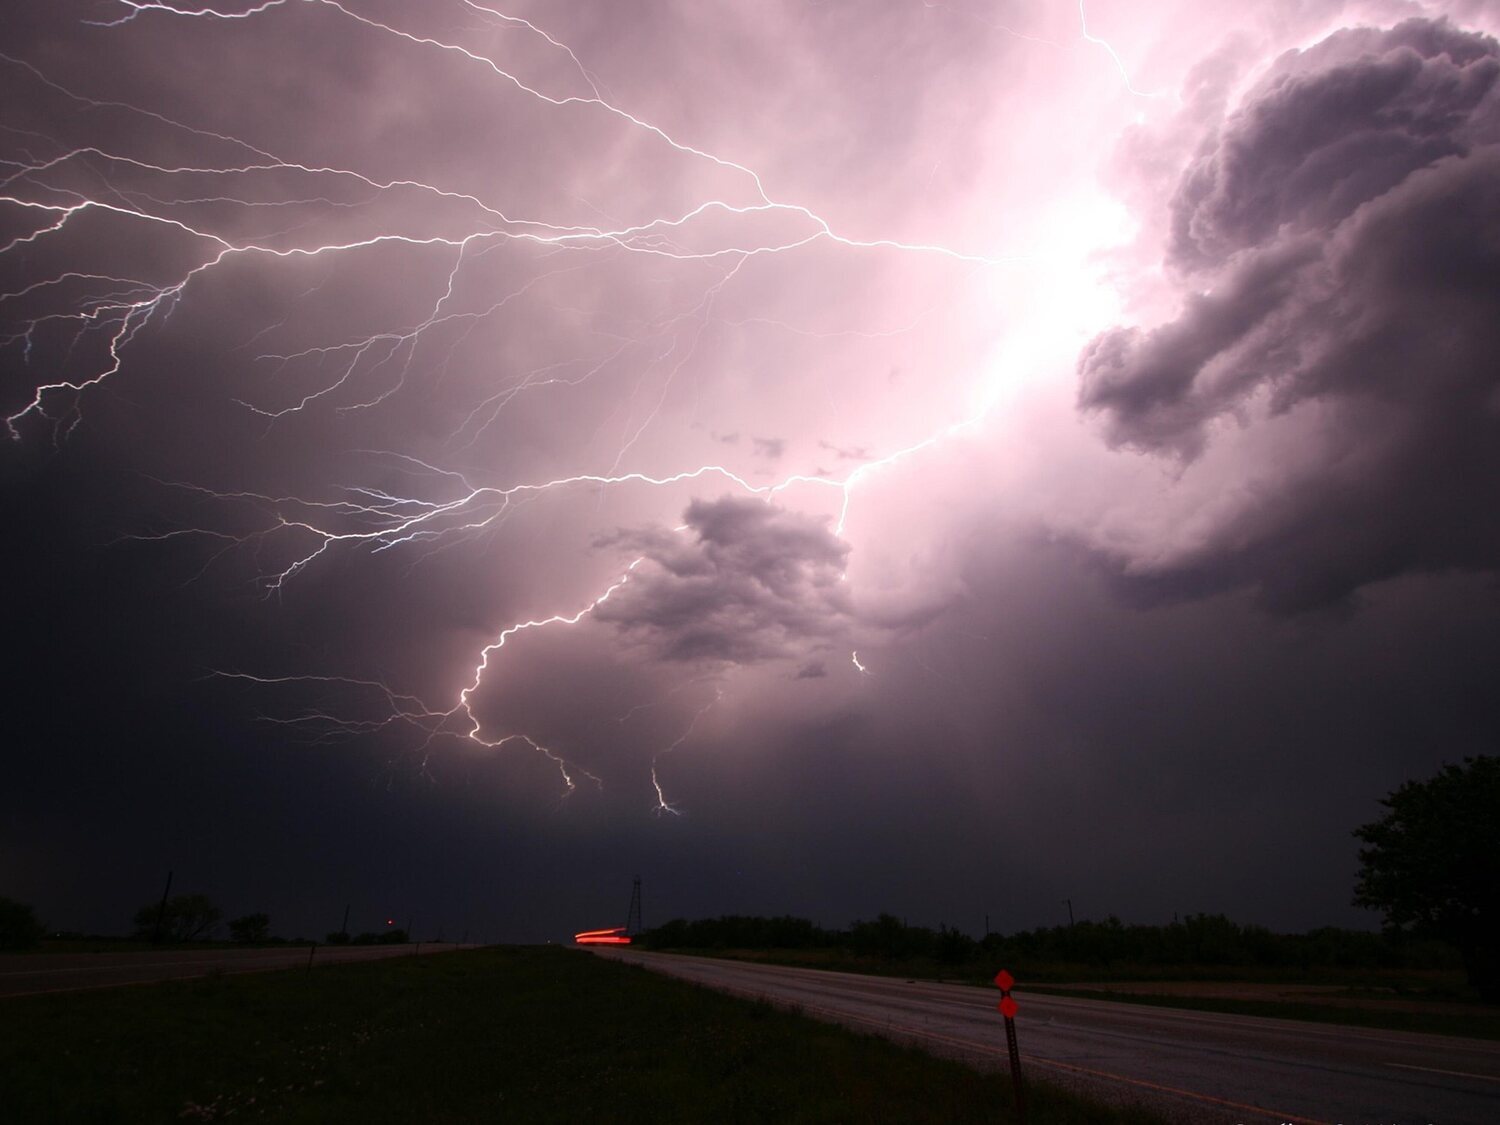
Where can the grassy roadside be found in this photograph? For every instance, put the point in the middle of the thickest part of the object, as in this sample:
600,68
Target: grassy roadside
1481,1025
1442,988
524,1034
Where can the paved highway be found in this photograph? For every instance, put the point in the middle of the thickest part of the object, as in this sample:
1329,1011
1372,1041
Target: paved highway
1193,1066
30,973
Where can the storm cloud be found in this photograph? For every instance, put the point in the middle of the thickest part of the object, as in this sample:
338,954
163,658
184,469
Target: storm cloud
1338,247
742,581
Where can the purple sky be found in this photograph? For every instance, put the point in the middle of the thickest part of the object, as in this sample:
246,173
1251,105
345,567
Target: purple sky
942,458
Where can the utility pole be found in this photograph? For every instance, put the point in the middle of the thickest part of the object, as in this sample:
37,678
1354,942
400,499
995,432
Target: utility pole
161,911
344,928
633,915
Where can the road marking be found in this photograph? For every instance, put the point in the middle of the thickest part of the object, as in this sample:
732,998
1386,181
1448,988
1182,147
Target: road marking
86,988
1454,1073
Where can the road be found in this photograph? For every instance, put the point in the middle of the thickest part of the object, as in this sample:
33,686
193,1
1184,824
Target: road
30,973
1192,1066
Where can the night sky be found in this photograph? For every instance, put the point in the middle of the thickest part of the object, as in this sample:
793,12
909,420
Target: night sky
824,458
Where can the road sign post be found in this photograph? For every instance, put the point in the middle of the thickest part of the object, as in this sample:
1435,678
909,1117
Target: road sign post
1005,982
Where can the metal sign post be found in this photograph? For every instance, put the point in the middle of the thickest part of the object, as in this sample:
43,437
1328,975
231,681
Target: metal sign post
1008,1007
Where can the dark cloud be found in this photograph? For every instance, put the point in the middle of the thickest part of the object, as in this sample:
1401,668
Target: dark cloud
1332,128
1342,242
743,581
1158,389
769,447
812,670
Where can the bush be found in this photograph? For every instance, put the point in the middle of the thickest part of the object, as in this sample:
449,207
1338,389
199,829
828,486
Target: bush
1432,865
250,928
19,928
1203,940
189,917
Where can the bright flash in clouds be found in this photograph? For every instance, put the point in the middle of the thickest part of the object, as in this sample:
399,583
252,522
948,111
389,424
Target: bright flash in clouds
706,272
1066,294
641,346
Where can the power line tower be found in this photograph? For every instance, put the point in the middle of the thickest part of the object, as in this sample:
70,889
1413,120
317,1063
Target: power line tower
633,918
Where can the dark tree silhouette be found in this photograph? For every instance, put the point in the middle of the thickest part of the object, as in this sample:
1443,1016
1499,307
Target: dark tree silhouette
19,928
1433,864
185,918
250,927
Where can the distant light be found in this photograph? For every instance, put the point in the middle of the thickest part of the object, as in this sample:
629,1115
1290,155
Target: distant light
614,936
390,921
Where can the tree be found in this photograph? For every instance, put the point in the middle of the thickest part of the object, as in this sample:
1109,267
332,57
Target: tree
1433,864
250,927
19,928
184,918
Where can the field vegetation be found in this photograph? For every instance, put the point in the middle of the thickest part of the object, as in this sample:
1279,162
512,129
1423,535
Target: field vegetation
1426,975
503,1034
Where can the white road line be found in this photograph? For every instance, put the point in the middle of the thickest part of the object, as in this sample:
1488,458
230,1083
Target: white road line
1454,1073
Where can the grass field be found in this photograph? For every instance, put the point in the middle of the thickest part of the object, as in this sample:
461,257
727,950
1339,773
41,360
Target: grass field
1481,1024
496,1035
1450,1007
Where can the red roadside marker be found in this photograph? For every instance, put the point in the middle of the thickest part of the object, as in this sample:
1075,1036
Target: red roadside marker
1008,1008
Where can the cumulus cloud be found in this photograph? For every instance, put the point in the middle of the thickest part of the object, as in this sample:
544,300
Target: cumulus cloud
743,581
1332,128
1338,244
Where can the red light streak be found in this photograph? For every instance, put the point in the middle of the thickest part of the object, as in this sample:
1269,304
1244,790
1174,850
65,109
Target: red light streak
613,936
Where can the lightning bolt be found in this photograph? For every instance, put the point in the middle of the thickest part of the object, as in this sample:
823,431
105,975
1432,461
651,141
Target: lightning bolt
59,188
1083,24
662,804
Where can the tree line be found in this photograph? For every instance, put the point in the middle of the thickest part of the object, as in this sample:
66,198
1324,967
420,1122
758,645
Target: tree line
194,917
1210,940
178,920
1430,865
